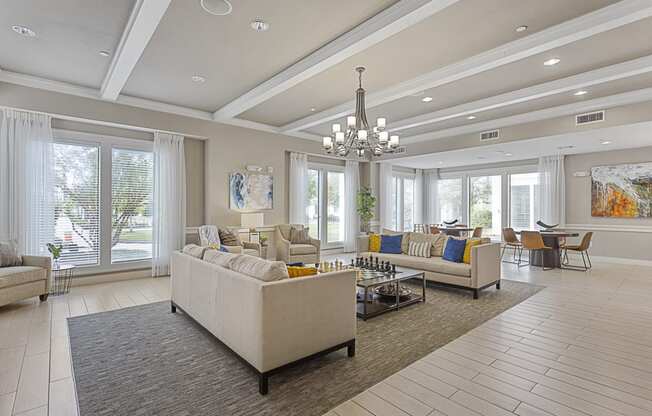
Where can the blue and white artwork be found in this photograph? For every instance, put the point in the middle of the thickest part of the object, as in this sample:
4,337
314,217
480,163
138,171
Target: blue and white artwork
251,191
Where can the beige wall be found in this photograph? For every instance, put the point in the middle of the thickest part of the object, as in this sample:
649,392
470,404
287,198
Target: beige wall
226,148
612,242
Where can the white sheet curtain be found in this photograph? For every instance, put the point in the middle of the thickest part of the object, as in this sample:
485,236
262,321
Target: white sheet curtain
430,196
385,203
298,188
418,197
552,190
169,209
27,180
351,218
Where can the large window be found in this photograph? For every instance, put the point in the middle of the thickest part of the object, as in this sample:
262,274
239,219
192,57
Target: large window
325,205
449,195
77,203
131,205
313,205
523,200
485,204
403,203
335,207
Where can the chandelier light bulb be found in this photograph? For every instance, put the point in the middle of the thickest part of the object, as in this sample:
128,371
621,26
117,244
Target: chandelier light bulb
350,121
362,135
393,141
381,122
339,137
336,127
327,142
383,137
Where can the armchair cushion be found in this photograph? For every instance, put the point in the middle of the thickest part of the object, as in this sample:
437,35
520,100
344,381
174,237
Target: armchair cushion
302,249
228,238
299,236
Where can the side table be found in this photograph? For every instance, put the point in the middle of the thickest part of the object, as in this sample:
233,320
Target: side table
61,279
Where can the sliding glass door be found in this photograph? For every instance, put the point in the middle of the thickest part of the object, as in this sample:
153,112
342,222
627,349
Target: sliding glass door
403,203
325,205
523,200
485,204
449,194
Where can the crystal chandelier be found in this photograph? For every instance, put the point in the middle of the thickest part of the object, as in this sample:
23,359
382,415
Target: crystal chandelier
358,137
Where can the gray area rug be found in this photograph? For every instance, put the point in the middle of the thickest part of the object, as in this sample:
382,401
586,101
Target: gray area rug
145,360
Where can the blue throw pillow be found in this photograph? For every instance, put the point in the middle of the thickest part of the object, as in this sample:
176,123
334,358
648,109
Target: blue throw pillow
222,248
454,250
391,244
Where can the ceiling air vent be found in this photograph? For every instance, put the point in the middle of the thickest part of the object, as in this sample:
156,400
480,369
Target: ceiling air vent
401,149
490,135
589,118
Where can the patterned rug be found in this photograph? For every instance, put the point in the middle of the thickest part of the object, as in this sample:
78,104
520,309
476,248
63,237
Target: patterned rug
145,360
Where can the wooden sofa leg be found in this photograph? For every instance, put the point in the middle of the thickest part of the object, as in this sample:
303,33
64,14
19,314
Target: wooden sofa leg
43,297
350,349
475,293
173,307
263,384
498,285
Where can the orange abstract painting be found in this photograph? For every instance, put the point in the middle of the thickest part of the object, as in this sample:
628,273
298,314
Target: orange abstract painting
623,191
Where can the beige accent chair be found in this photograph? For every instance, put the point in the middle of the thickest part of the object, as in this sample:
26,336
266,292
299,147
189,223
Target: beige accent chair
294,253
209,236
32,278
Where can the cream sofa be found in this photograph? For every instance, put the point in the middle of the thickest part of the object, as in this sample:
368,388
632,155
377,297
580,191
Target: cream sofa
482,272
294,253
269,325
30,279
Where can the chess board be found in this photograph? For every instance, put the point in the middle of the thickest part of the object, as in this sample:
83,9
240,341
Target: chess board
371,274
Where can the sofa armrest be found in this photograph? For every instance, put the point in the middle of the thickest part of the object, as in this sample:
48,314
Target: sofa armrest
362,244
316,243
233,249
282,246
485,264
305,315
40,261
251,246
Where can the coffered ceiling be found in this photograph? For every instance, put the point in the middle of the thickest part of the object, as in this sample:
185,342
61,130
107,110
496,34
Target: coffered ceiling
297,77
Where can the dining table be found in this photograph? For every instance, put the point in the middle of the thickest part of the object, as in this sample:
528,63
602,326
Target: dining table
455,231
552,239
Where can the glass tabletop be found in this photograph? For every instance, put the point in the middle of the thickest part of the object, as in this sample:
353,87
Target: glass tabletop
62,267
369,278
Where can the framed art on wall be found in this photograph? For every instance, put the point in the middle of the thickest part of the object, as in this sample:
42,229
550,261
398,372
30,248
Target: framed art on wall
251,191
623,191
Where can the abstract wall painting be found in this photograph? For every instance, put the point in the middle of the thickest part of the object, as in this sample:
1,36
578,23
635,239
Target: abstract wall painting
623,191
251,191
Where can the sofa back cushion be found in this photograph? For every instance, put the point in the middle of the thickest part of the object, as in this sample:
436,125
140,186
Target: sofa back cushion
299,235
374,243
419,249
405,240
438,245
219,257
454,250
194,250
9,254
430,239
391,244
265,270
467,249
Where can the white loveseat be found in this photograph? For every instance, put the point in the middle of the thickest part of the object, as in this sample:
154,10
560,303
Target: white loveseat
482,272
31,278
268,324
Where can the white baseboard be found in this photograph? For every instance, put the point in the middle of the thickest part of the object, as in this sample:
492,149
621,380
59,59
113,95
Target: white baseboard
111,277
620,260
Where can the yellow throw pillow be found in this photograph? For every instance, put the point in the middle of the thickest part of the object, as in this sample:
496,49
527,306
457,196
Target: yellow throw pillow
467,249
297,271
374,243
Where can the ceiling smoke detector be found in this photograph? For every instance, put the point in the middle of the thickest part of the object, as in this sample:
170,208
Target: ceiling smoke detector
521,28
198,79
23,30
217,7
259,25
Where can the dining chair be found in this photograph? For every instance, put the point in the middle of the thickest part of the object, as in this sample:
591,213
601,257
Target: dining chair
582,248
477,232
434,229
510,240
532,241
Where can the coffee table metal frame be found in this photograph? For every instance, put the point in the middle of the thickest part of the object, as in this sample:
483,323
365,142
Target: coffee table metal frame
378,307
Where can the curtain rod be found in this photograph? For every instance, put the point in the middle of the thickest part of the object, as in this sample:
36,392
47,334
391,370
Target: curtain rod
105,123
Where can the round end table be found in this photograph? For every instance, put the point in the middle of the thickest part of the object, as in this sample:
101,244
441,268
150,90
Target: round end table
61,279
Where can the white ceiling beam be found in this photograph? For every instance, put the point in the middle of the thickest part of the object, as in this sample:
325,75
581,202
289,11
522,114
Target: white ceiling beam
595,104
591,24
390,21
576,82
144,19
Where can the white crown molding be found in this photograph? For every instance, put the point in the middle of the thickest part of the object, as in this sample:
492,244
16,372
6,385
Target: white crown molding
599,21
143,21
390,21
599,76
616,100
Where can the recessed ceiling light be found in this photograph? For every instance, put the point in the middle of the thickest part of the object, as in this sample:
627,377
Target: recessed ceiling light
23,30
521,28
426,99
471,118
198,79
552,62
105,53
508,154
605,142
259,25
581,92
313,109
217,7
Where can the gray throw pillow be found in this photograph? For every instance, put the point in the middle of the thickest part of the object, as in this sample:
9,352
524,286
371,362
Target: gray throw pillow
228,238
9,254
299,236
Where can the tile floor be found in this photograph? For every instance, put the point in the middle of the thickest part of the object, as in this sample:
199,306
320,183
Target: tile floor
582,346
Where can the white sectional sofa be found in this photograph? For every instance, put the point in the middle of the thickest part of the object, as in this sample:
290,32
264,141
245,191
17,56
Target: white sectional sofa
482,272
268,324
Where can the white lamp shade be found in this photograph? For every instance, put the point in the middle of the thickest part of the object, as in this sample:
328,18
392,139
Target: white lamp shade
393,141
381,122
252,219
383,137
350,121
328,141
339,137
336,127
362,134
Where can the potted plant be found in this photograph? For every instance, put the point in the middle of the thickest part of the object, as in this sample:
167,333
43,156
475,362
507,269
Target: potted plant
55,251
366,202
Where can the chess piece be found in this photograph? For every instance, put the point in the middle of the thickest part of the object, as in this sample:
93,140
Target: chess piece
377,264
393,268
352,263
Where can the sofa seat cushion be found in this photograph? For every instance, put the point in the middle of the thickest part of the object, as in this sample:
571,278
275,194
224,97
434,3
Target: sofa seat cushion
265,270
302,249
432,264
18,275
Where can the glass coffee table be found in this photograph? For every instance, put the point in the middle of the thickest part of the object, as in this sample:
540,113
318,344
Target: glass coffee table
380,292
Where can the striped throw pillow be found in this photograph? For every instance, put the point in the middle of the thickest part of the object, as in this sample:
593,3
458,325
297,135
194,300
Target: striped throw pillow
419,249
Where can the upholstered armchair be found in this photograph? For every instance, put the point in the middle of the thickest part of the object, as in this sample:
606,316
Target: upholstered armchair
294,253
209,236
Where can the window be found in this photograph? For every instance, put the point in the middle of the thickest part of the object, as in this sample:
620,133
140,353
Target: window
131,205
485,204
77,203
312,207
449,195
325,205
523,200
403,203
335,210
